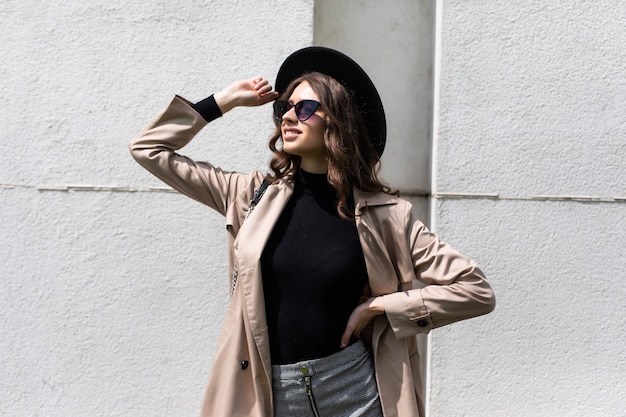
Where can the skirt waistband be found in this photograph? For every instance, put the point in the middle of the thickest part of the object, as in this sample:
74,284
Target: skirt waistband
321,365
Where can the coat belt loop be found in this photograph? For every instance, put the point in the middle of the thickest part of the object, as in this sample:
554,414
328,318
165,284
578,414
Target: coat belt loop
405,286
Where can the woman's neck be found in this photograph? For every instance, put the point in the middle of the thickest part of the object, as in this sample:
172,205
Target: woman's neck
314,166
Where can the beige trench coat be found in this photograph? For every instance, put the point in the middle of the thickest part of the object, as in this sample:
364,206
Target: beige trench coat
398,249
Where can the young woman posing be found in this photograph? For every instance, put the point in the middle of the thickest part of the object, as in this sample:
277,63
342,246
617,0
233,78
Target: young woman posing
323,314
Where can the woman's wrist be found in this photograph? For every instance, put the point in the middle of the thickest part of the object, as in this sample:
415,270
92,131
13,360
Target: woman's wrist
225,100
377,306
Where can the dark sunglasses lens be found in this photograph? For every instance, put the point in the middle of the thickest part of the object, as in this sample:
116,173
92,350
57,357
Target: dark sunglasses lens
280,108
305,109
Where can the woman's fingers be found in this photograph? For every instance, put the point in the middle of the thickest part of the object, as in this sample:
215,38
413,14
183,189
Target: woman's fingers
347,334
360,318
256,91
355,324
262,86
267,97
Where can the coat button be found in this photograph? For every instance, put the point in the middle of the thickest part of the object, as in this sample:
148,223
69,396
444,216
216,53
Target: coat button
422,323
244,365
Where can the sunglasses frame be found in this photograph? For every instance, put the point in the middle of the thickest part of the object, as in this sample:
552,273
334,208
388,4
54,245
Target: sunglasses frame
286,106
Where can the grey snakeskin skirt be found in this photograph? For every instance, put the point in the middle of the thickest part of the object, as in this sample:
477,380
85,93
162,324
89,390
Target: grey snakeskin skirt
340,385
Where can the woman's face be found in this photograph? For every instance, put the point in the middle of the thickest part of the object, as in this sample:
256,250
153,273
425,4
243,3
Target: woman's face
305,138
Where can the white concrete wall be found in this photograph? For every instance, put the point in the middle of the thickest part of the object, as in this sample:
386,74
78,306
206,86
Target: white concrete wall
111,300
393,40
531,103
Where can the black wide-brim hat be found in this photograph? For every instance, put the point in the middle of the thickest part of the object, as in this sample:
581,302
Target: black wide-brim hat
345,70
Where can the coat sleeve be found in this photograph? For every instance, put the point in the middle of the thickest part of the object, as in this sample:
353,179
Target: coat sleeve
155,149
454,287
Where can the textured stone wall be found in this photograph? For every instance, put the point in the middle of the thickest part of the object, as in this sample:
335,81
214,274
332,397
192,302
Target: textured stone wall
531,117
111,299
112,288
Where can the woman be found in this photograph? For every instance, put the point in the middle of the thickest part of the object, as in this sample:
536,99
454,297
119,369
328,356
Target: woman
324,257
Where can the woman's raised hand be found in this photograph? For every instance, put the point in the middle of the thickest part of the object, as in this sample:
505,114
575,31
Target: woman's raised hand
252,92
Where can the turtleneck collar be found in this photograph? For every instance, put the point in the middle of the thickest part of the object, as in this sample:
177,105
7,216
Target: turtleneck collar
314,183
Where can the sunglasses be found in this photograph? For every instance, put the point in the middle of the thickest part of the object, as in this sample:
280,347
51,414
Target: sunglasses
304,109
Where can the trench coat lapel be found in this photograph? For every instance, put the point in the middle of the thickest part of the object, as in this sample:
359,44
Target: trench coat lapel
364,199
248,248
377,259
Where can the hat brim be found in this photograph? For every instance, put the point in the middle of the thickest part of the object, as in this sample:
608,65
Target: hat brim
345,70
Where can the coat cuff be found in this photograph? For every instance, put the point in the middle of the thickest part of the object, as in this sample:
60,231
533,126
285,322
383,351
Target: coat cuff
407,313
208,109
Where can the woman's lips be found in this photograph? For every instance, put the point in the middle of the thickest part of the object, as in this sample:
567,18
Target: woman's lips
290,133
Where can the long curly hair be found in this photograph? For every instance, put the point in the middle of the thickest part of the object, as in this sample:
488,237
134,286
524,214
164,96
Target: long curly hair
352,159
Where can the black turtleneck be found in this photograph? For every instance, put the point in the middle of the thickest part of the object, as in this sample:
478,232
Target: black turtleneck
313,268
313,273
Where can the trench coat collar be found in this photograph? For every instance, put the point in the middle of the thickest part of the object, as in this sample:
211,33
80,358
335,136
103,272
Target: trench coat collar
365,199
261,222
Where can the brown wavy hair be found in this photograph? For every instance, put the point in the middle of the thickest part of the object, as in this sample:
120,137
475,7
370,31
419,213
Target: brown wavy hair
352,159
